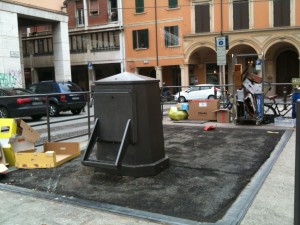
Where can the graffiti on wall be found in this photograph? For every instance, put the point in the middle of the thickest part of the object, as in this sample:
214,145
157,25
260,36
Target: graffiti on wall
11,78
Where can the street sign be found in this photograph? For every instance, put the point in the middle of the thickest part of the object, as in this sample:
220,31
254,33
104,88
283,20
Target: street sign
258,64
221,42
90,65
221,50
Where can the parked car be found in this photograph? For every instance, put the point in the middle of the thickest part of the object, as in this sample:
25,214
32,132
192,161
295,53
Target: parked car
14,103
200,91
66,98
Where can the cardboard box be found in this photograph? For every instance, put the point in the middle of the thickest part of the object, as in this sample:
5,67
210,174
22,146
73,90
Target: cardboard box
55,154
223,116
25,137
3,169
254,78
20,144
240,95
23,129
238,75
203,109
252,87
2,156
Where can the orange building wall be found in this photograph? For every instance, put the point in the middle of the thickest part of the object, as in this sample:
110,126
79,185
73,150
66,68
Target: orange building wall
261,14
297,7
221,8
146,20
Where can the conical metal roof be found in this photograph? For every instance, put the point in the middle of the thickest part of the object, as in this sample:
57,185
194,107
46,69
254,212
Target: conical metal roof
126,77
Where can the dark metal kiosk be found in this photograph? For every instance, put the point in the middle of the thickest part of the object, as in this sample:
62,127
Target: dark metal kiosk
128,132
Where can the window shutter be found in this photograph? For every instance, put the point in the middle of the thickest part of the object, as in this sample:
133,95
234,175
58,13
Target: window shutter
175,35
281,13
166,36
134,43
146,39
139,5
173,4
202,18
240,14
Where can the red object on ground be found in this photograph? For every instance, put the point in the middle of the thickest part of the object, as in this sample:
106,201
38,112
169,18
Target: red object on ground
208,127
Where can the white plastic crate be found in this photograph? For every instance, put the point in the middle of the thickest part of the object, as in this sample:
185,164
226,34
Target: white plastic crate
284,122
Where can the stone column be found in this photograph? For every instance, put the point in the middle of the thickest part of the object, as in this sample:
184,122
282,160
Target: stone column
299,67
10,63
22,59
91,76
184,69
159,74
136,70
61,58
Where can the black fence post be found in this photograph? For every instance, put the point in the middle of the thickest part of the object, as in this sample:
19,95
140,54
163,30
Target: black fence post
297,168
284,97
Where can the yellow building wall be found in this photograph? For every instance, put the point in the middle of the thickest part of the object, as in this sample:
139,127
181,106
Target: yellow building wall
51,5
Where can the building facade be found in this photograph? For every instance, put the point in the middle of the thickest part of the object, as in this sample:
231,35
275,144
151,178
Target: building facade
180,38
172,40
95,43
19,14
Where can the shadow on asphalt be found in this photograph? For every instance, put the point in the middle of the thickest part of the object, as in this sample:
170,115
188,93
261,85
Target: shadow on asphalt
208,170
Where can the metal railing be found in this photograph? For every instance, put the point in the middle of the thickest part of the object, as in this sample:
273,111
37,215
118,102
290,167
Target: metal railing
48,122
283,99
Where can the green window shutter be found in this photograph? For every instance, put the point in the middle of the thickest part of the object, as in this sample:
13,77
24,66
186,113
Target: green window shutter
175,35
173,4
146,39
166,36
134,43
139,6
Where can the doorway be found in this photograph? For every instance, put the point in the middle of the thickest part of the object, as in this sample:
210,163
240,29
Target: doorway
287,67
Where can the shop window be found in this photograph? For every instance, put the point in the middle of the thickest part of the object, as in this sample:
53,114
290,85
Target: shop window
202,18
171,36
140,39
212,73
139,6
240,14
281,13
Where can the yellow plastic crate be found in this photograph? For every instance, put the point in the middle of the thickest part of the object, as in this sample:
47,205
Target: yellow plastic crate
8,128
9,155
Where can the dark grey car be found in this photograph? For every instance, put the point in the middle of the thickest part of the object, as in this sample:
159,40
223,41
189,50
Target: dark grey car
17,102
67,96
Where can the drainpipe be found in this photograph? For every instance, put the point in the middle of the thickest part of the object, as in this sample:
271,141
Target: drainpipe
85,16
156,39
221,17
